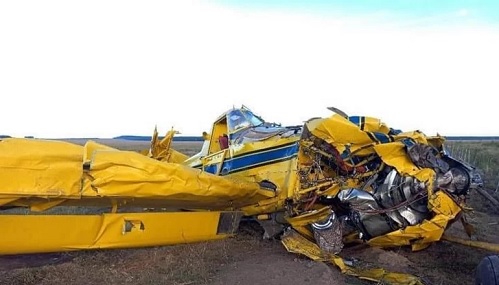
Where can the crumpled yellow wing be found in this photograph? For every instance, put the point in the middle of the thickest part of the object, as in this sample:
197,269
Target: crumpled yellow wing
38,170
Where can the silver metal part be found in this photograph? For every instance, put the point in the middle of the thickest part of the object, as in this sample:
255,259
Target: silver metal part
326,224
397,203
338,111
358,199
396,193
329,234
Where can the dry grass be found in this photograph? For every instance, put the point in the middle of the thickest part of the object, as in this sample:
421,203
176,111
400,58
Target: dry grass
180,264
482,154
485,156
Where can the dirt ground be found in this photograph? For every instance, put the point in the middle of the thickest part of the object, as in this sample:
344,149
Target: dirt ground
245,259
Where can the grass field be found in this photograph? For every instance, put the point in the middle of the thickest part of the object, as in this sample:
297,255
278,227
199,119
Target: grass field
247,259
485,156
482,154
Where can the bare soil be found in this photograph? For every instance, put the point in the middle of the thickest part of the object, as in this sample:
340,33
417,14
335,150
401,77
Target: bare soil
245,259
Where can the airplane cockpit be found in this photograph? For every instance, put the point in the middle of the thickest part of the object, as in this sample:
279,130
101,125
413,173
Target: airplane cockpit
240,119
236,128
245,126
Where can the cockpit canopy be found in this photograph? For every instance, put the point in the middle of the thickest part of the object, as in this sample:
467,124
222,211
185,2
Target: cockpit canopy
240,125
239,119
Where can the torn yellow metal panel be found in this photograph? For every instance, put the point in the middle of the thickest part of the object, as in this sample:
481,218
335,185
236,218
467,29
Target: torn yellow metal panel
296,243
443,204
395,155
310,217
50,233
301,222
424,233
428,231
161,149
340,132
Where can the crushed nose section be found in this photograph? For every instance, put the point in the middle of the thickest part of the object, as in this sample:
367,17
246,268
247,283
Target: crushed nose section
386,185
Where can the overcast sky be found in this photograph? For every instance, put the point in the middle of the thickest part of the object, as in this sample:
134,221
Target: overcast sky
106,68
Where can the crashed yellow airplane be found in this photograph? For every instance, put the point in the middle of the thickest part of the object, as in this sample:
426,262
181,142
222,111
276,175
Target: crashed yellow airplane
320,186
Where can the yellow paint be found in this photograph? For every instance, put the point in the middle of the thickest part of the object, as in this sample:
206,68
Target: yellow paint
161,149
280,173
49,233
473,243
394,154
97,174
310,217
40,165
421,235
219,129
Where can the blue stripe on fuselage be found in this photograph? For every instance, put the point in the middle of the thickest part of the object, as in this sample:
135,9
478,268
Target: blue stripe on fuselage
253,160
383,138
355,119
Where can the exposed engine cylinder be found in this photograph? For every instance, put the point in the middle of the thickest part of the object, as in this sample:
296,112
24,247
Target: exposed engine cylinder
397,203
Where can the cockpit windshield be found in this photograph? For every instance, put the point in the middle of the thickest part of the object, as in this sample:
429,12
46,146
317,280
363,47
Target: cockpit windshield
253,119
242,118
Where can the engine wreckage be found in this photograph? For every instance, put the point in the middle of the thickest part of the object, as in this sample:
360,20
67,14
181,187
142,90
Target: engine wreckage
320,186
